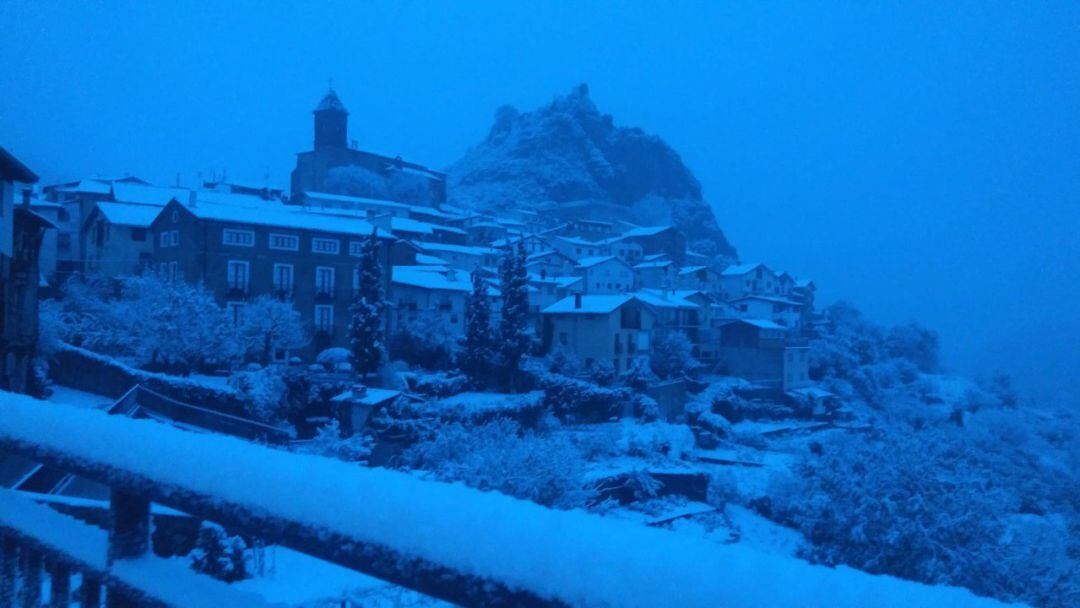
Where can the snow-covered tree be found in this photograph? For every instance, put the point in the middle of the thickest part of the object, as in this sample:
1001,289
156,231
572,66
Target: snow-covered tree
366,338
478,348
515,327
267,325
425,341
672,355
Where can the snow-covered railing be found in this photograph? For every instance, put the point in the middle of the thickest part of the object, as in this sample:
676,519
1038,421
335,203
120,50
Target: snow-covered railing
445,540
33,537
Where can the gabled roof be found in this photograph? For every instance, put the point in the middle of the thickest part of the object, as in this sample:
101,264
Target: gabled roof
127,214
270,213
597,260
768,299
654,264
129,192
465,249
805,284
546,254
413,276
692,269
758,323
590,304
646,231
661,298
12,169
741,269
331,103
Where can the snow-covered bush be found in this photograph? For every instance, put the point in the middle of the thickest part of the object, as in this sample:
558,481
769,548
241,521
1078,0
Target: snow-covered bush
425,341
639,374
672,355
570,398
329,442
219,555
562,360
266,391
940,506
333,358
655,439
708,426
438,384
547,469
602,372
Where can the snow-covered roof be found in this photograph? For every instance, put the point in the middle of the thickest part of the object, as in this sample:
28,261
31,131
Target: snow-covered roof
368,396
578,241
429,260
667,298
465,249
646,231
759,323
596,261
126,192
590,304
654,264
270,213
769,299
654,256
692,269
741,269
415,276
804,283
466,405
126,214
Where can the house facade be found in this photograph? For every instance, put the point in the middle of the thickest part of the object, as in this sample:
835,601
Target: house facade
613,328
116,238
605,274
21,233
239,253
760,351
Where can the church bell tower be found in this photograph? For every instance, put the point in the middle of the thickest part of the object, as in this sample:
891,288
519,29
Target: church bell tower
331,122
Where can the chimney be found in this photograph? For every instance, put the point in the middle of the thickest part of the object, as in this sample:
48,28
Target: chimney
577,300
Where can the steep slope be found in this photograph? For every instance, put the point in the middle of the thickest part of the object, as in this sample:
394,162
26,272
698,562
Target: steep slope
569,155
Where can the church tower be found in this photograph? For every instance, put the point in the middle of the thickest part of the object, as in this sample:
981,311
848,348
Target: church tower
331,122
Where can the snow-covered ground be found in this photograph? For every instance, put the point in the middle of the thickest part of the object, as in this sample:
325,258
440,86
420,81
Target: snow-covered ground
71,396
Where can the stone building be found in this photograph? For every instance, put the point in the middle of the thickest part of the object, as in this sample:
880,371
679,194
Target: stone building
335,165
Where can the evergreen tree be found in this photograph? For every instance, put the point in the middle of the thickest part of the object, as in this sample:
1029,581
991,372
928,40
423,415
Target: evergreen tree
479,346
515,333
366,325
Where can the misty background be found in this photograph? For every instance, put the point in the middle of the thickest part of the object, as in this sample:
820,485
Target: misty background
921,161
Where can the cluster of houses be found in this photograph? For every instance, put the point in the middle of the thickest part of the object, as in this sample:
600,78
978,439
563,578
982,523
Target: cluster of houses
604,291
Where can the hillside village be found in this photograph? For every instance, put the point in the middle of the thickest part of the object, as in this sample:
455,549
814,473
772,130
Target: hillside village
389,315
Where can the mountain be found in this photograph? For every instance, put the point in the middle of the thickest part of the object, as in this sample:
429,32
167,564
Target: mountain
568,158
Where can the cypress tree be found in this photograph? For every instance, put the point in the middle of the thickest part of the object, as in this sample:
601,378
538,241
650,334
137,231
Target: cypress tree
366,324
515,333
479,347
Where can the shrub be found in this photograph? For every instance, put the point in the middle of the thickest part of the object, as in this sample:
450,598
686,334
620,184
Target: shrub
569,398
219,555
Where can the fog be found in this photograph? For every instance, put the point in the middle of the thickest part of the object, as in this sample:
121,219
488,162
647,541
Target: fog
923,163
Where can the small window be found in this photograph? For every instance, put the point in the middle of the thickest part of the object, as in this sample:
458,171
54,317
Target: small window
284,242
283,278
356,248
237,275
169,238
238,238
325,245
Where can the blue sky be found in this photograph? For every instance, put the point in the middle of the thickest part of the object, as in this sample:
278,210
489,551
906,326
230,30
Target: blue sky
919,159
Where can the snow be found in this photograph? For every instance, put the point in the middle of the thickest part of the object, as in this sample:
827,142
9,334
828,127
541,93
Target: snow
426,278
170,581
739,270
575,557
645,231
660,298
129,214
280,215
465,249
589,262
472,404
759,323
654,264
71,396
590,304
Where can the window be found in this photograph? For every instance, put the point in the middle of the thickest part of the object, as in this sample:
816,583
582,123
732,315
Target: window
324,279
284,242
238,275
138,234
235,310
325,245
238,238
324,318
283,278
356,248
169,238
174,271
